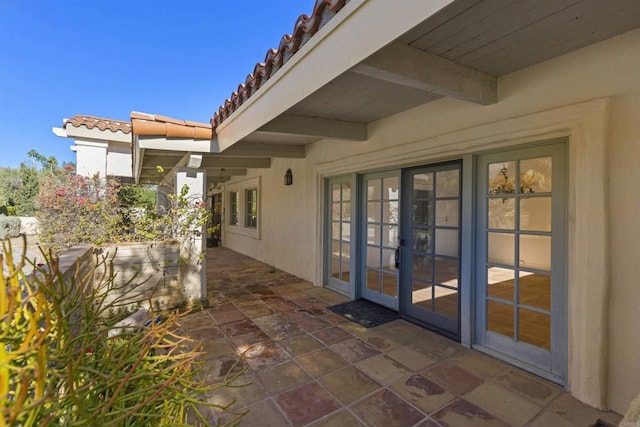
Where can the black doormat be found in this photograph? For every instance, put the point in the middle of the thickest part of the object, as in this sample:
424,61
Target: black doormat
365,313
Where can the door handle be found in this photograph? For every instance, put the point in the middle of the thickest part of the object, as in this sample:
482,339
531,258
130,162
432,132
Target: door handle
397,257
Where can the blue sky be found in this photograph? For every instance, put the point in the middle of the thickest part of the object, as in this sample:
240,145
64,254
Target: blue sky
108,58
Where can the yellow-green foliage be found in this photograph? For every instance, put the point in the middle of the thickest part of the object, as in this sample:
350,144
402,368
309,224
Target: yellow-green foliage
58,366
26,333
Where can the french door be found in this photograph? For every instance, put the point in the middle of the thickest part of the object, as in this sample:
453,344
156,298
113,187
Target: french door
407,232
381,218
430,246
417,274
521,262
339,246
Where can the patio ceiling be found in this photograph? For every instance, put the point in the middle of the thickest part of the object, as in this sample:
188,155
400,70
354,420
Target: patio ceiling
162,144
353,62
459,51
220,167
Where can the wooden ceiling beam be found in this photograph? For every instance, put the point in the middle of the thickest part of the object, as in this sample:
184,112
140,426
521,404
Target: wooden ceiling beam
316,127
408,66
257,149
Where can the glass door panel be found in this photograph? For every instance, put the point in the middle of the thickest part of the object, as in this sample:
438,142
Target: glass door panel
339,238
521,287
381,202
431,249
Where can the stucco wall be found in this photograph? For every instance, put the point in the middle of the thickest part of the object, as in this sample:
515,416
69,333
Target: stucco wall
290,224
291,216
119,159
91,160
624,205
105,158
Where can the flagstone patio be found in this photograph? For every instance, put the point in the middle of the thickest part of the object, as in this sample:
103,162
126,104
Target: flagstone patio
301,364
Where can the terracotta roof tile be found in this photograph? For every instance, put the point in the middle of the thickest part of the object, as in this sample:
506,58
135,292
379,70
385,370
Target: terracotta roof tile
91,122
157,125
305,27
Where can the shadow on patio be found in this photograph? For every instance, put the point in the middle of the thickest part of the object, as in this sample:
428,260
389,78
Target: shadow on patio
309,366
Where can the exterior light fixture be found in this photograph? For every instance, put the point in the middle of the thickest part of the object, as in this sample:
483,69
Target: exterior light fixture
288,177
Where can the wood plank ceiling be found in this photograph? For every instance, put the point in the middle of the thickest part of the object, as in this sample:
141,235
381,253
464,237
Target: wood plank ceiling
495,37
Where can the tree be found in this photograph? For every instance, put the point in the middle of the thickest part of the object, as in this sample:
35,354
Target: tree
25,190
7,175
46,163
19,187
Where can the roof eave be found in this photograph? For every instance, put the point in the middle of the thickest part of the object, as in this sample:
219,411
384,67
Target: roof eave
316,63
95,134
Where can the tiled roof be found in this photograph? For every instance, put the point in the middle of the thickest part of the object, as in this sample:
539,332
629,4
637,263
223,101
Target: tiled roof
304,29
157,125
98,122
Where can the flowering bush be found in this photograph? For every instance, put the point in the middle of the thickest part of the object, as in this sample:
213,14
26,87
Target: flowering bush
74,209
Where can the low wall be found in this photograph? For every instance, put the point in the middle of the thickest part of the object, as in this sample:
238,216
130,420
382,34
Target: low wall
28,225
77,264
137,273
141,271
77,267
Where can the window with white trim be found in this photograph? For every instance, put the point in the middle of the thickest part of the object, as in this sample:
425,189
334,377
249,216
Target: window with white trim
251,208
243,205
233,208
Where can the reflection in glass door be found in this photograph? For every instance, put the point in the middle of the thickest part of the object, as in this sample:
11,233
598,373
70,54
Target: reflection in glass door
521,294
430,251
381,197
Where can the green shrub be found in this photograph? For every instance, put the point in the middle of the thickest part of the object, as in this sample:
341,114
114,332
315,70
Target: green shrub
9,227
59,365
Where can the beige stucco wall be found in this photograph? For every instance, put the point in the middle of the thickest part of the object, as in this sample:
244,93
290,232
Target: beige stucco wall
624,205
104,158
91,159
288,228
119,159
529,102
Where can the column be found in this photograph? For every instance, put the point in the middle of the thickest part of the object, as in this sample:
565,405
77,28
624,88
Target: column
194,272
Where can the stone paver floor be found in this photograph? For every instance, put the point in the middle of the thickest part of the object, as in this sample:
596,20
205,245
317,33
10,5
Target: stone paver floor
296,363
17,244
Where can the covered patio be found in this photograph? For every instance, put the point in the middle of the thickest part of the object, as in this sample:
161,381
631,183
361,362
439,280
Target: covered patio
308,366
